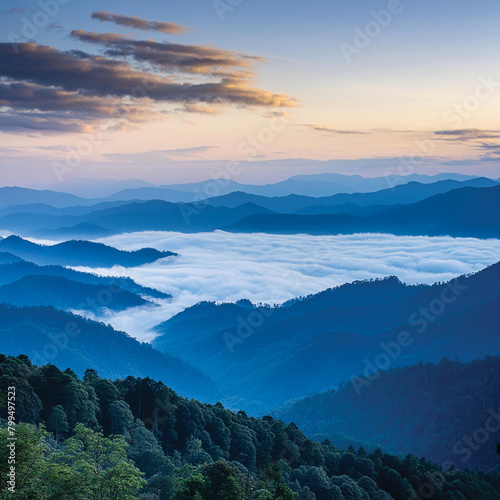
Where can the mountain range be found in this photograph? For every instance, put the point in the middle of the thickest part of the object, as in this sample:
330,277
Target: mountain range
309,185
409,209
263,356
464,212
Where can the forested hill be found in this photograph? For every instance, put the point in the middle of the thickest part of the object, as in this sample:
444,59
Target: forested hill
433,410
137,439
80,253
62,338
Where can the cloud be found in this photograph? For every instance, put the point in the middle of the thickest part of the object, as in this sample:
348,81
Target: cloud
139,23
46,108
222,266
131,82
331,130
471,134
54,26
174,57
158,155
489,146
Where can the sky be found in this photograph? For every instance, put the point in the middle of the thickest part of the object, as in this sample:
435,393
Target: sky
179,91
226,267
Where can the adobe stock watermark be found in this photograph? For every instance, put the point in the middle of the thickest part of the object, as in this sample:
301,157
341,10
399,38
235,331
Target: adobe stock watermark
363,36
58,341
256,318
39,19
223,7
11,439
249,148
88,144
460,111
246,327
455,116
420,321
466,447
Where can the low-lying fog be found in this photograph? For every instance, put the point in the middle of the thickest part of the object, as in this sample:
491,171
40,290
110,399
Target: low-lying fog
222,266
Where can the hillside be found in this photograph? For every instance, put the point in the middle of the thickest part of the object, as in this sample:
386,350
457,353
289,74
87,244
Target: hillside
80,253
64,339
13,268
62,293
263,356
453,401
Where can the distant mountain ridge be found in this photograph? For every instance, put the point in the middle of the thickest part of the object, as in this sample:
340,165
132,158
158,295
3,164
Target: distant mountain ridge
464,212
390,211
324,184
80,253
411,192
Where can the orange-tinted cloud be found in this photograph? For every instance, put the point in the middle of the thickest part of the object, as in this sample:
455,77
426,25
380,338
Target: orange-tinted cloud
120,85
139,23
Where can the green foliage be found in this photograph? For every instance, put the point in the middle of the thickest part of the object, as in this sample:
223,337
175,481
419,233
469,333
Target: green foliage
90,466
137,439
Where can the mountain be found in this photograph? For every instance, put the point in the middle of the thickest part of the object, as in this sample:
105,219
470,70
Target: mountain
83,231
163,216
454,400
64,339
439,215
21,196
62,293
262,356
80,253
44,209
94,188
412,192
153,193
13,269
8,258
155,215
314,185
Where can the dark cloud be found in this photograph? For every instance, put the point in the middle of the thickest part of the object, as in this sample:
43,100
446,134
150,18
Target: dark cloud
35,122
139,23
107,86
38,106
173,57
469,134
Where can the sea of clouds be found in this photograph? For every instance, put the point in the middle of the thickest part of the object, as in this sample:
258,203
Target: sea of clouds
225,267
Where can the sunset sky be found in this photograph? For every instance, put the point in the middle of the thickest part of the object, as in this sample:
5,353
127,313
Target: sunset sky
174,91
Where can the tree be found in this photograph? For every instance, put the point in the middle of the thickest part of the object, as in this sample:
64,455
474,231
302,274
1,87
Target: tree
145,450
57,423
30,462
121,418
92,467
80,406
